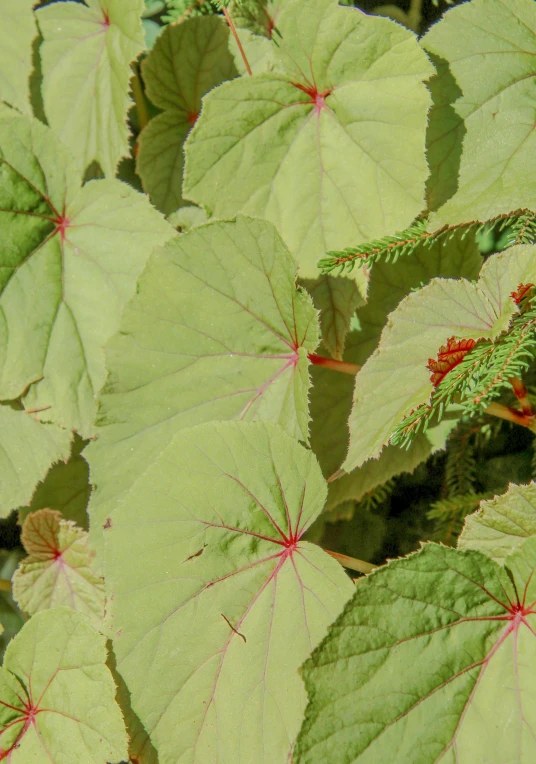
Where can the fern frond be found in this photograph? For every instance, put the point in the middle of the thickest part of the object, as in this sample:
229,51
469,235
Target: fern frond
483,374
389,248
449,515
460,466
377,496
181,10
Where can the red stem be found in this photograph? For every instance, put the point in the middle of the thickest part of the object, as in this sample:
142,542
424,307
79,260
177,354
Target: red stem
237,38
511,415
331,363
520,391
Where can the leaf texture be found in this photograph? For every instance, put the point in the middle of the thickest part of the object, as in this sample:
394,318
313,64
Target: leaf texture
18,32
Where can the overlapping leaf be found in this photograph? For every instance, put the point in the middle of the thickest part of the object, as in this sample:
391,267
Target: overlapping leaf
186,62
225,601
331,397
395,379
433,659
27,450
258,16
482,126
86,52
217,330
71,258
502,524
337,299
18,31
57,695
60,568
330,148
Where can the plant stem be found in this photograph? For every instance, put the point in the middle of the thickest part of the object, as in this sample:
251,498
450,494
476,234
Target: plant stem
5,585
352,563
331,363
237,38
511,415
520,392
139,97
414,15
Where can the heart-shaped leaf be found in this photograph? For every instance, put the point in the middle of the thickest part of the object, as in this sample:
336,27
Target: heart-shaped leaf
225,600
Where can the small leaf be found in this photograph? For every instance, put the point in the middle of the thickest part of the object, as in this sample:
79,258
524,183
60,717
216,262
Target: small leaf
187,61
225,601
71,257
258,16
395,379
217,330
433,659
86,52
488,103
60,568
27,449
18,32
502,524
65,487
57,695
337,299
330,148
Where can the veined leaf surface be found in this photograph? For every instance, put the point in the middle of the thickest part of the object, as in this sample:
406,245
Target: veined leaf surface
225,601
217,330
432,660
18,31
331,147
86,55
70,260
57,697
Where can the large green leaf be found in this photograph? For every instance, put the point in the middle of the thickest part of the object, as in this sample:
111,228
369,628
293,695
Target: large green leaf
337,299
224,601
57,695
71,257
395,379
485,109
432,660
86,52
18,32
502,524
331,397
331,147
217,330
186,62
60,568
65,487
27,449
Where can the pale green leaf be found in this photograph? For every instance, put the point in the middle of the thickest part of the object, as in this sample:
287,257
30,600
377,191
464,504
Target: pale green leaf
18,32
27,449
65,487
395,379
259,51
432,660
331,147
217,330
222,579
331,397
86,52
57,695
490,47
187,61
60,568
71,257
502,524
337,299
260,17
187,217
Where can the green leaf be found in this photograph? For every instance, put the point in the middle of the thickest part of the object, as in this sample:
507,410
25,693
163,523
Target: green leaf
18,32
221,577
65,487
57,695
11,619
27,449
331,397
187,217
186,62
258,16
395,379
433,659
259,51
502,524
60,568
86,52
71,258
332,157
486,109
337,299
217,330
